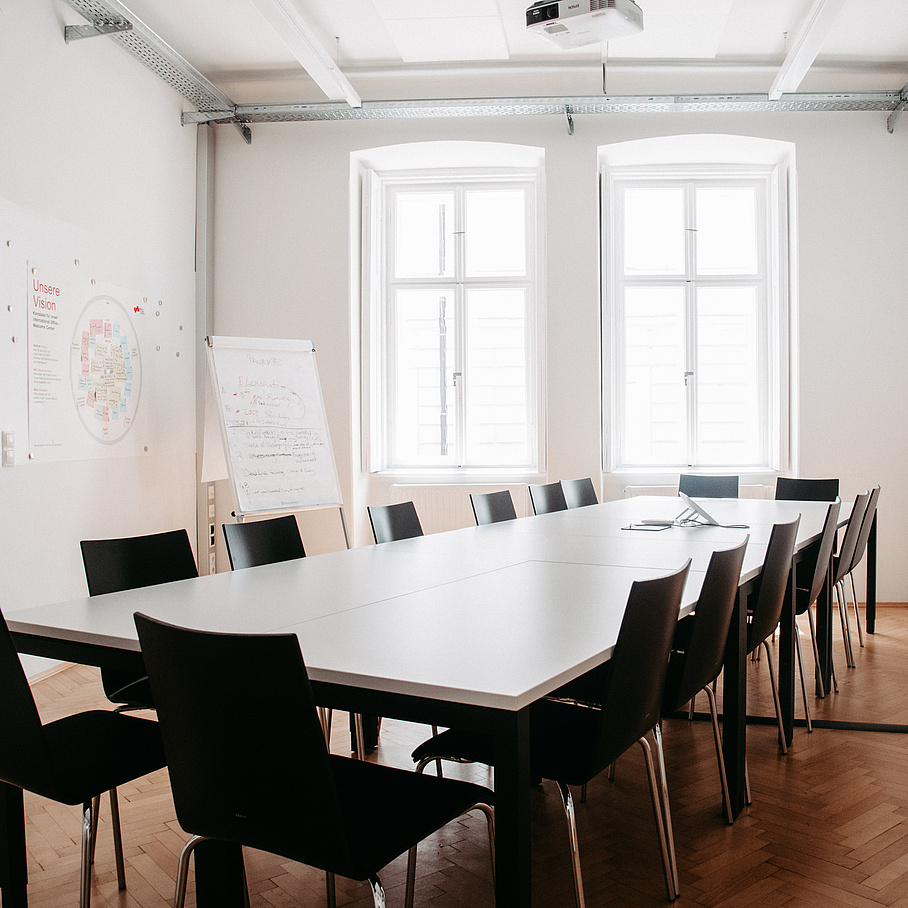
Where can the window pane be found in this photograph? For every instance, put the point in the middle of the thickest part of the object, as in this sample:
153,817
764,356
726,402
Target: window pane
654,394
654,231
495,233
728,380
424,241
422,377
495,378
726,231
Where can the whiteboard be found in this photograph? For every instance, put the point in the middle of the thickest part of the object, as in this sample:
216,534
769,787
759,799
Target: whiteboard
273,425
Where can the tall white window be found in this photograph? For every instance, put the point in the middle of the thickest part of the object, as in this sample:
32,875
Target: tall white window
698,343
454,333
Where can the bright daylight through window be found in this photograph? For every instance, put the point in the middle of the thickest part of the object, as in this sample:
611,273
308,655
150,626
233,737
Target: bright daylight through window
457,318
697,339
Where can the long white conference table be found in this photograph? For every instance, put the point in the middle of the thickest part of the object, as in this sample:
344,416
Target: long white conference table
465,628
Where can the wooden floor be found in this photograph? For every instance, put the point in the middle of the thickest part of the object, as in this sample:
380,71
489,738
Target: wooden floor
828,826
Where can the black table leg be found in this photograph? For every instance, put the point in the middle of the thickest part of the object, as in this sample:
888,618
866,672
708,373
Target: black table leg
787,630
871,577
13,866
513,853
824,632
734,704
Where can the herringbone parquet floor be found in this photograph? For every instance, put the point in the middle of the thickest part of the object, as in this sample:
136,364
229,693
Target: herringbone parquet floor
828,826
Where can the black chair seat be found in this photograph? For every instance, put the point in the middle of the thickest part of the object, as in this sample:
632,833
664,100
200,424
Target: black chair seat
562,746
95,751
411,806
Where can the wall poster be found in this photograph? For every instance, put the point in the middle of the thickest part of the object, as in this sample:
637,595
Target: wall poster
84,366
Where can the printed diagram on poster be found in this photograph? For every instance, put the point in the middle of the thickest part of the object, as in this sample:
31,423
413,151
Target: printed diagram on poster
106,370
85,367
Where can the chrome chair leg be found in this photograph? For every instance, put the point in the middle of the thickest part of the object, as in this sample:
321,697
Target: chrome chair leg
85,879
666,809
95,810
800,655
571,817
179,895
490,822
118,839
857,608
723,778
411,877
775,699
378,893
360,736
325,716
846,628
668,860
438,771
821,687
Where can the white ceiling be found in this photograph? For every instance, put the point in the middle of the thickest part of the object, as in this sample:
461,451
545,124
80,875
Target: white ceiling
401,49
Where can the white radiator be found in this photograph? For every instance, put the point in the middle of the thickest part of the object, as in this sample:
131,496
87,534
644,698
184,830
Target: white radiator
448,507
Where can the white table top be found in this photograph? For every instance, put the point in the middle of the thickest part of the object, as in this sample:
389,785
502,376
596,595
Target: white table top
494,616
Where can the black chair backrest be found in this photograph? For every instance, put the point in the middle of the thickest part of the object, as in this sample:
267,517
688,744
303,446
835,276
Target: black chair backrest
25,759
547,498
492,507
844,559
773,585
823,552
579,493
245,750
633,704
394,521
705,652
128,563
263,542
866,525
699,486
789,488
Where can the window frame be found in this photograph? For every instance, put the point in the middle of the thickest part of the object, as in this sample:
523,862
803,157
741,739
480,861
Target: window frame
773,300
378,279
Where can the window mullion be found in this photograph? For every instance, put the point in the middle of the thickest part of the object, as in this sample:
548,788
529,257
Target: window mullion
691,378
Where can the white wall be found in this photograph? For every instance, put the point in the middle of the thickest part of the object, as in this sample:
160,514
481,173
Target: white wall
91,141
283,266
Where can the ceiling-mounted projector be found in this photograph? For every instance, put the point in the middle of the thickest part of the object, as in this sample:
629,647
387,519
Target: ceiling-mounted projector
576,23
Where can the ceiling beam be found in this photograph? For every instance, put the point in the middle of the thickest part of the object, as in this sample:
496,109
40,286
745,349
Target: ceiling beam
597,104
806,45
288,22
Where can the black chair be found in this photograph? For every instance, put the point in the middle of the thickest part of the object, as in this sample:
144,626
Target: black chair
769,600
793,489
815,567
270,541
394,521
248,763
127,563
843,562
256,542
860,550
390,522
579,493
698,650
699,486
72,760
492,507
572,743
547,498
